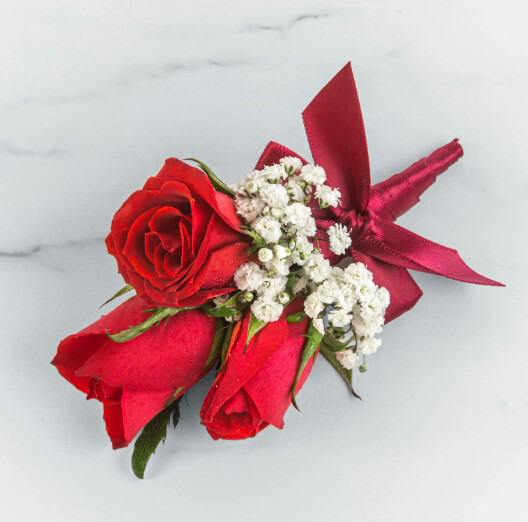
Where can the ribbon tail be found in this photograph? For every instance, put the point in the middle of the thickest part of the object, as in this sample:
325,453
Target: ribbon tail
404,292
273,153
395,196
335,131
396,245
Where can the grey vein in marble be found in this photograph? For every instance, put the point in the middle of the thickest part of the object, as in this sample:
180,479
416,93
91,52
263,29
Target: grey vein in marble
10,149
35,249
253,28
54,101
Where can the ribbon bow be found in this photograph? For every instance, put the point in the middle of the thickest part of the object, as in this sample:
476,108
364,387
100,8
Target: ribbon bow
336,135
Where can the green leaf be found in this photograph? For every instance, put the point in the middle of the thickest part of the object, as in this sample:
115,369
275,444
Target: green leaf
216,348
176,414
330,356
155,319
220,311
123,291
330,341
217,183
254,327
310,349
230,307
151,436
175,394
296,318
225,345
258,240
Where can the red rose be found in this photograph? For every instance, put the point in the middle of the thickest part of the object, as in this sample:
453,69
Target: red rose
254,389
177,241
136,379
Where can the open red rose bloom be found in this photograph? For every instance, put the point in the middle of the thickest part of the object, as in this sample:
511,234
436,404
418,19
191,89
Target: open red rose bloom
177,241
255,282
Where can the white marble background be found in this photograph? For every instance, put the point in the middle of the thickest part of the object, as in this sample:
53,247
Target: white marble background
94,95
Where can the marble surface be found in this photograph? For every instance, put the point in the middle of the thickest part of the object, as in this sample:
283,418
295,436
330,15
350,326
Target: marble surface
95,95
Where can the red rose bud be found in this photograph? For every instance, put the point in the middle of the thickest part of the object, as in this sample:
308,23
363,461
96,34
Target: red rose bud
135,380
254,390
177,241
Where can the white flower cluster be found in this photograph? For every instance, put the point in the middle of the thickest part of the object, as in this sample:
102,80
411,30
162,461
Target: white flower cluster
357,305
274,203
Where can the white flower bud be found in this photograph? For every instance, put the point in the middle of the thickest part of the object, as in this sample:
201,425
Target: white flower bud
265,255
251,187
283,298
281,252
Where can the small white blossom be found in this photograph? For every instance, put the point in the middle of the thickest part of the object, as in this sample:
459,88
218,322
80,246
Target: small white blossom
358,271
313,175
366,327
265,255
270,287
300,220
268,227
279,266
266,309
249,208
327,196
330,291
274,195
383,296
317,268
248,276
369,346
339,237
255,177
339,317
301,248
295,190
309,228
291,164
347,358
313,305
273,173
366,292
297,214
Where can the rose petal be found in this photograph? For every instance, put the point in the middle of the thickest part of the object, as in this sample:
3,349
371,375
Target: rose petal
134,250
166,224
222,264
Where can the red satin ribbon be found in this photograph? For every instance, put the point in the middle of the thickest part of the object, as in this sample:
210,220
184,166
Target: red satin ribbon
337,140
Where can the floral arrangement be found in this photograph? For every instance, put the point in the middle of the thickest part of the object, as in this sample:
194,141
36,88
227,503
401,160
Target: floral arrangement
255,280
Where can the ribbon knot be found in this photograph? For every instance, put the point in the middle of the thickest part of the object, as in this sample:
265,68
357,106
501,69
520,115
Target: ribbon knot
355,221
337,140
